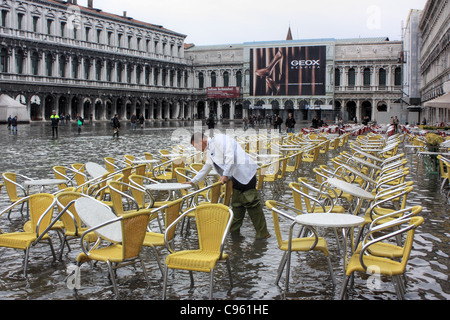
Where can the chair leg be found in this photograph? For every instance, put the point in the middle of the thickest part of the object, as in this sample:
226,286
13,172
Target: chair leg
27,254
145,272
158,260
211,282
113,278
281,267
165,282
344,288
330,266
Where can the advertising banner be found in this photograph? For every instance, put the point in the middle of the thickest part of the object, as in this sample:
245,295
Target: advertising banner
223,93
288,71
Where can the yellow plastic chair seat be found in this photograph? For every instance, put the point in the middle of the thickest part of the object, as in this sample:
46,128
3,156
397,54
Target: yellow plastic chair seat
305,244
59,225
18,240
381,265
112,253
381,249
155,239
194,260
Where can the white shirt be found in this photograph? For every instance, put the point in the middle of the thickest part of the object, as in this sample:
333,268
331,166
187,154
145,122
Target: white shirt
229,159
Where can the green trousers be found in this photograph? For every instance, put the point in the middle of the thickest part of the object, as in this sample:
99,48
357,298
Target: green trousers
248,201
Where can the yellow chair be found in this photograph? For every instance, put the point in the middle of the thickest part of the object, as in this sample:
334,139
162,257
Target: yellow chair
129,160
61,173
110,165
170,212
143,198
444,165
14,187
299,244
213,222
126,246
73,228
41,211
315,199
366,262
79,173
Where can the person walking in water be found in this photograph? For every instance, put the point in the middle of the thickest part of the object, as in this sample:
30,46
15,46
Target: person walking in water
115,123
226,156
55,122
80,122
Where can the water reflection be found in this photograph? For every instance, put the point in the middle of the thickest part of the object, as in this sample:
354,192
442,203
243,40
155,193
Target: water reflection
33,152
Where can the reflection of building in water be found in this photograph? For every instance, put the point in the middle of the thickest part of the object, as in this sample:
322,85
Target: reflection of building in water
58,55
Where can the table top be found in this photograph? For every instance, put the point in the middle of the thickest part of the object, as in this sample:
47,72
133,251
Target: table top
44,182
350,188
167,186
144,161
95,170
93,214
331,220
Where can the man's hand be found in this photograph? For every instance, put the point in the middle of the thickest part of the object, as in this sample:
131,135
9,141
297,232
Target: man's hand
223,179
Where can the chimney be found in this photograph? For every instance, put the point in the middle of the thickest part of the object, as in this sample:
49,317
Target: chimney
91,4
74,2
125,14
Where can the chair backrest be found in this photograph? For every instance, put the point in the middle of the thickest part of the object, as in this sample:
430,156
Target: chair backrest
41,210
172,212
138,194
213,222
129,160
271,204
134,228
9,178
70,218
61,173
110,164
140,169
79,175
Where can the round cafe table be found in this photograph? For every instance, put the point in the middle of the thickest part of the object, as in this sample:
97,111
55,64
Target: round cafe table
42,183
95,170
332,220
94,214
170,187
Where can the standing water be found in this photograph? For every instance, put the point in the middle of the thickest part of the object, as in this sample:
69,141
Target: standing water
33,152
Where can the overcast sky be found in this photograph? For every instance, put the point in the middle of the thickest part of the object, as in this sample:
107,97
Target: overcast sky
207,22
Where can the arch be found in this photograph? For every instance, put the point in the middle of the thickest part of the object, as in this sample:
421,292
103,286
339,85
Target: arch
366,109
351,110
49,106
382,106
98,109
35,108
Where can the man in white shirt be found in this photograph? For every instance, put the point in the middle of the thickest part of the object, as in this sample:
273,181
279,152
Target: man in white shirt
228,158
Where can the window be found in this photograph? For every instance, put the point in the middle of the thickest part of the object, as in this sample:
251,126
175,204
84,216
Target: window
398,77
35,64
129,71
239,79
213,79
139,40
226,79
98,70
337,77
4,60
109,68
62,66
35,24
156,47
119,40
88,31
49,26
4,17
49,65
75,32
99,36
148,45
110,34
63,29
138,75
351,77
147,75
119,72
19,62
382,78
155,77
130,41
87,69
201,80
367,77
75,65
20,21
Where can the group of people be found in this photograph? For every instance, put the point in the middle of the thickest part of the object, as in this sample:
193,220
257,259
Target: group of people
275,120
55,119
12,124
